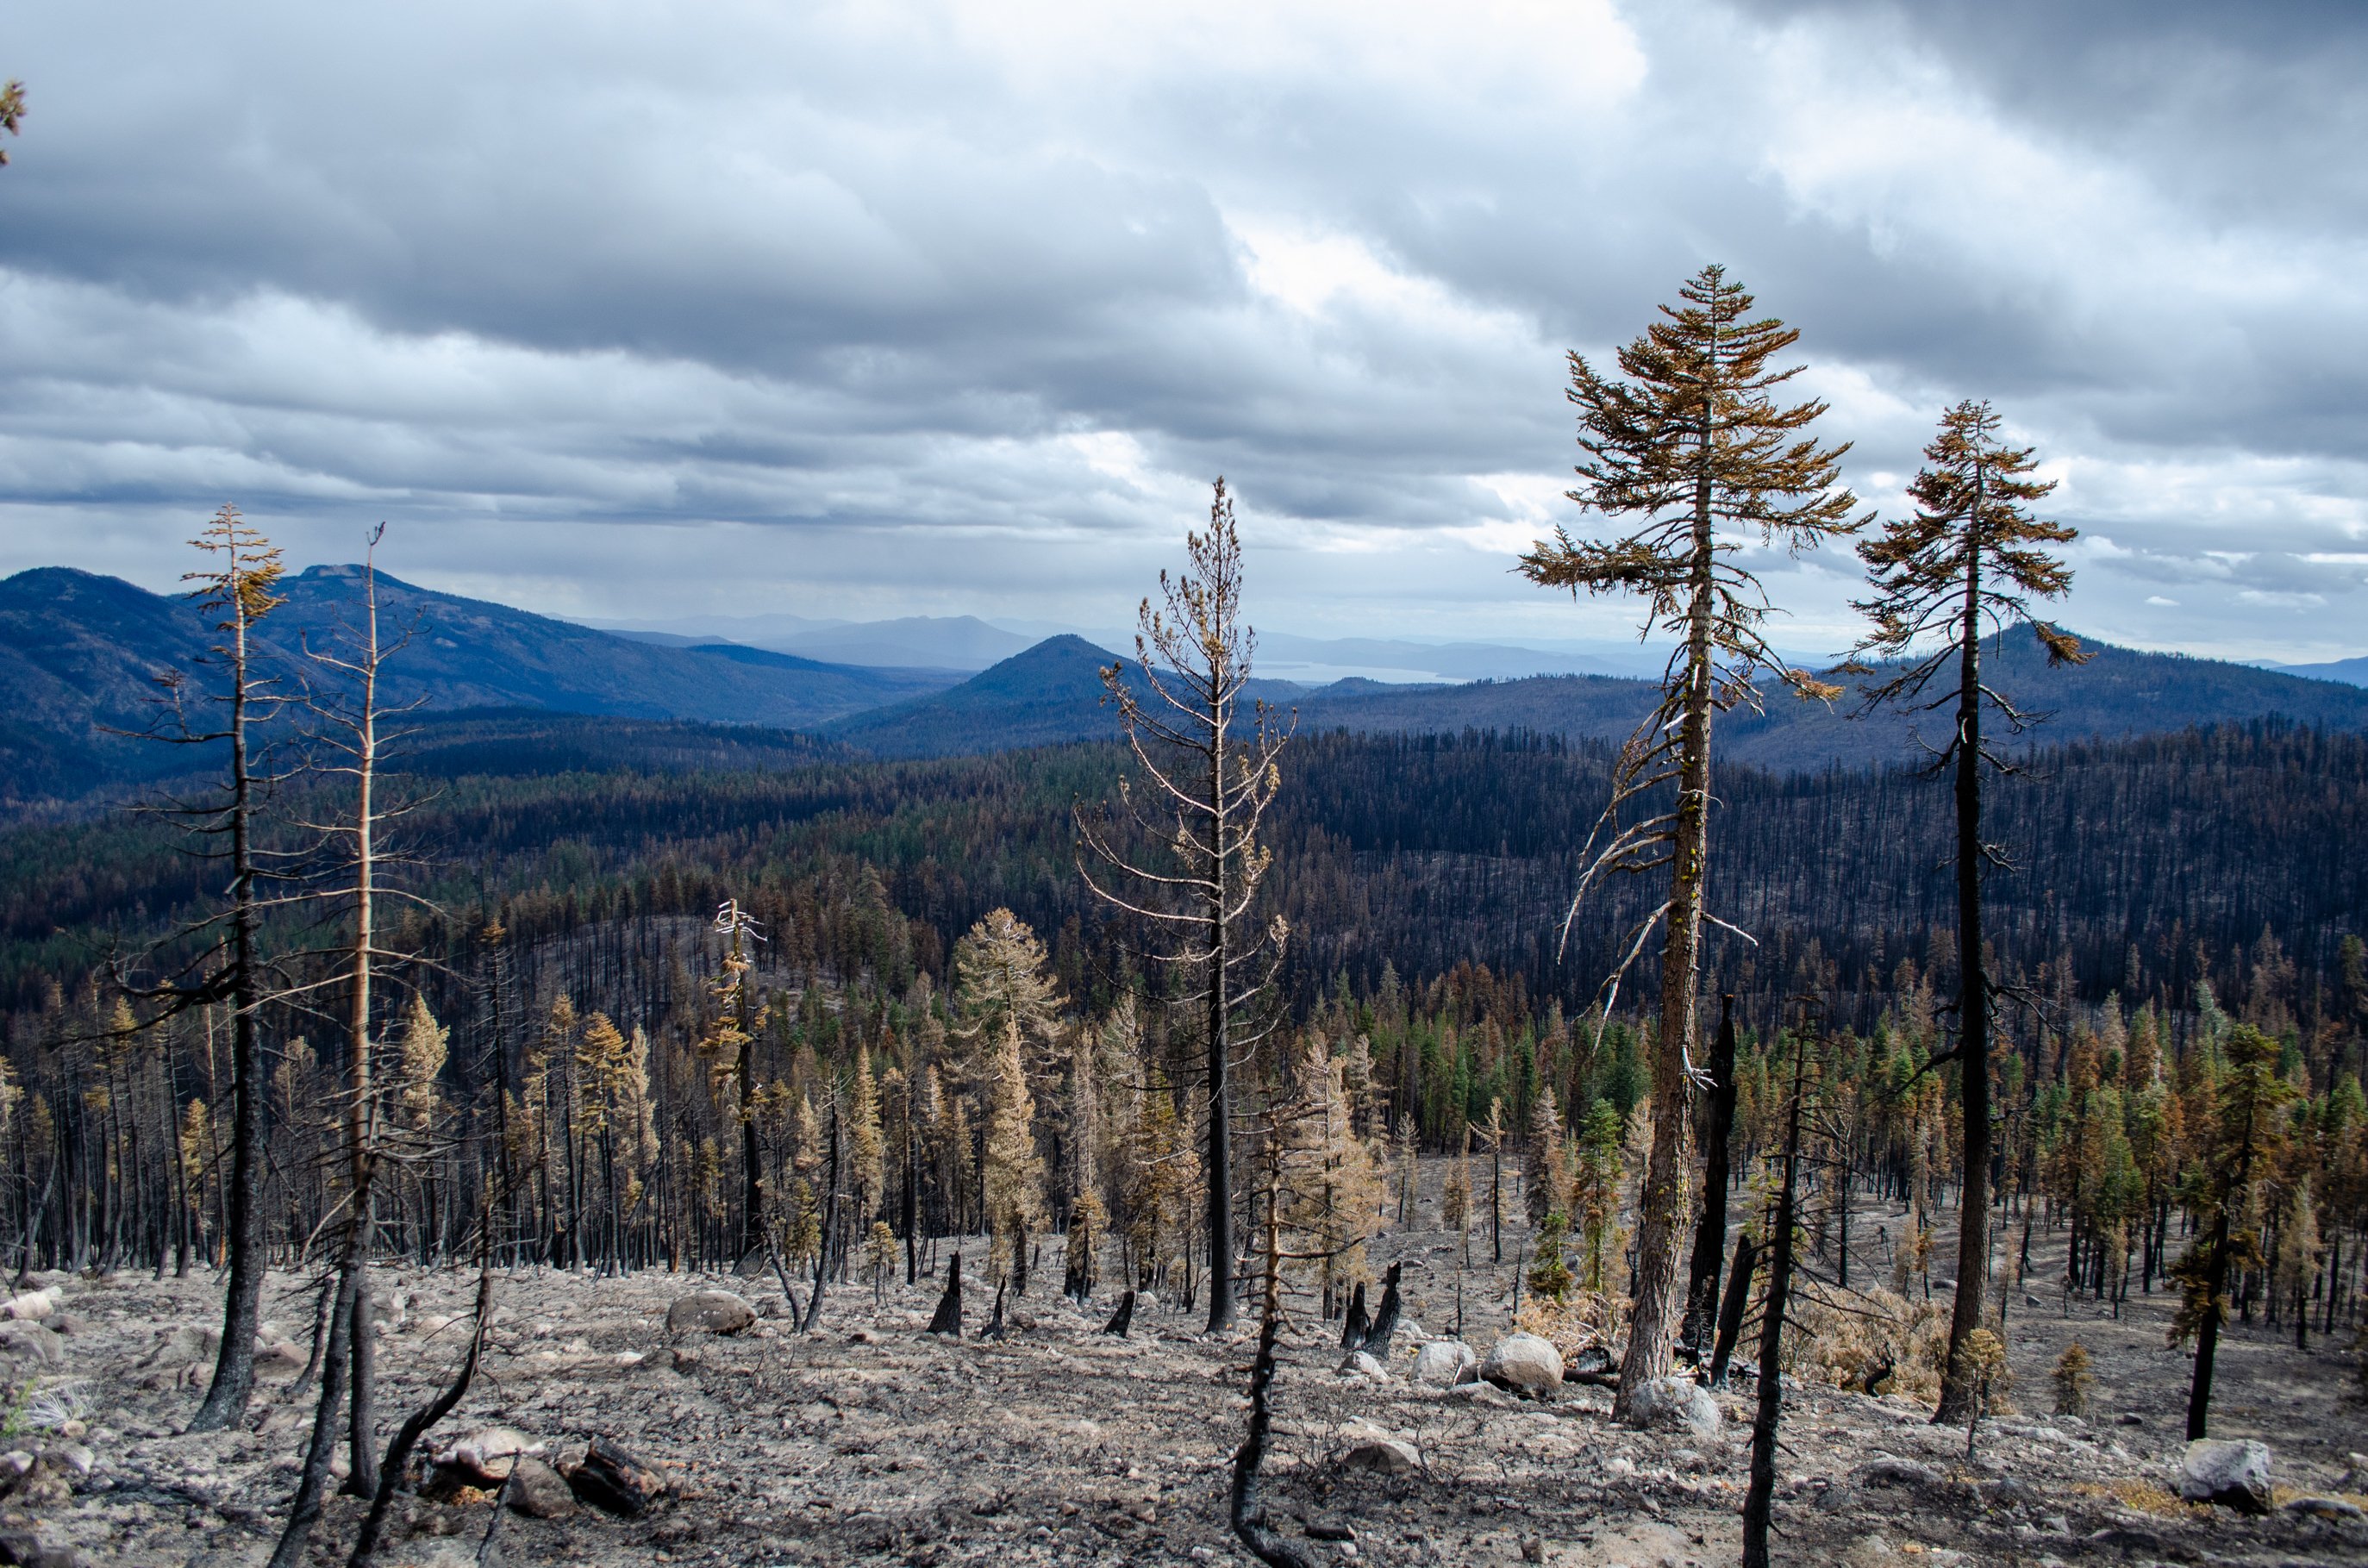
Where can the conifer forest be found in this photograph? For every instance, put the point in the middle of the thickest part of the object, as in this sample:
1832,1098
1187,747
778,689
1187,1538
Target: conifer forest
572,1140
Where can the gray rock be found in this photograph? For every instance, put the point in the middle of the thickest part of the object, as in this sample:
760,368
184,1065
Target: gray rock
1357,1362
1385,1455
31,1342
2324,1508
710,1312
1440,1363
180,1345
1523,1364
1837,1500
2234,1474
539,1492
1676,1401
2012,1492
19,1546
1593,1359
1903,1474
273,1362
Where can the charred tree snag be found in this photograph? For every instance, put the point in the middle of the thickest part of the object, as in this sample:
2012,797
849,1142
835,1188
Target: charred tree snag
1248,1518
1710,1235
1758,1502
1121,1320
948,1318
1353,1331
1730,1312
398,1452
1385,1322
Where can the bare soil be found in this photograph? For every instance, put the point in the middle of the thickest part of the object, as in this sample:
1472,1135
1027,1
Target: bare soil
872,1442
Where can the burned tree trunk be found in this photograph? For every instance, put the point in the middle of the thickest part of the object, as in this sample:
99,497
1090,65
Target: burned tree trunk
1385,1322
948,1319
1710,1235
1353,1331
1761,1500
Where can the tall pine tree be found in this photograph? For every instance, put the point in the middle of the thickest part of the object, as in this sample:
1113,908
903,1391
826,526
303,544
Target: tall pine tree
1694,457
1970,557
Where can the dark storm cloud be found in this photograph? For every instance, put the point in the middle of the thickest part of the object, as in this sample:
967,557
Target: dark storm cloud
618,312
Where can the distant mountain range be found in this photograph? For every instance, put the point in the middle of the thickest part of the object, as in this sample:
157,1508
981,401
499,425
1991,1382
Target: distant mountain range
80,656
966,643
1051,693
2352,672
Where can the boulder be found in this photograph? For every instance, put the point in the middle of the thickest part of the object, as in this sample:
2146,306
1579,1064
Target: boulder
2235,1474
181,1344
1357,1363
31,1305
710,1312
278,1361
1676,1401
1440,1363
1523,1364
484,1457
1385,1455
31,1342
538,1490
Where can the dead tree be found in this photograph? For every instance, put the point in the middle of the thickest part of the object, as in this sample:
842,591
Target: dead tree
1385,1322
1211,775
1759,1501
1710,1235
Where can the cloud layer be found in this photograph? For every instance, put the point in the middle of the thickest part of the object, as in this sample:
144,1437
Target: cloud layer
941,308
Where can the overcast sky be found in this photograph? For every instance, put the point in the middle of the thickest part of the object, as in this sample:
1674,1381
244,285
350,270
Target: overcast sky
638,310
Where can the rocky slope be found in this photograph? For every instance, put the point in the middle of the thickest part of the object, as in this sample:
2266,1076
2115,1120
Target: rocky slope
870,1441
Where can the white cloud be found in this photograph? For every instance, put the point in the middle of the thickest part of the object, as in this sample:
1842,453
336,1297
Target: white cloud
944,307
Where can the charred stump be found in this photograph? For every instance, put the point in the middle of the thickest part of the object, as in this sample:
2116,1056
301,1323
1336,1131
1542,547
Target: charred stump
948,1315
1124,1319
1353,1331
1385,1322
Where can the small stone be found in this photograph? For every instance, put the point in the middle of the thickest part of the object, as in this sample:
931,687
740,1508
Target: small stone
18,1548
710,1312
72,1456
2056,1523
2324,1508
1523,1364
1385,1455
2130,1419
2232,1474
539,1492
